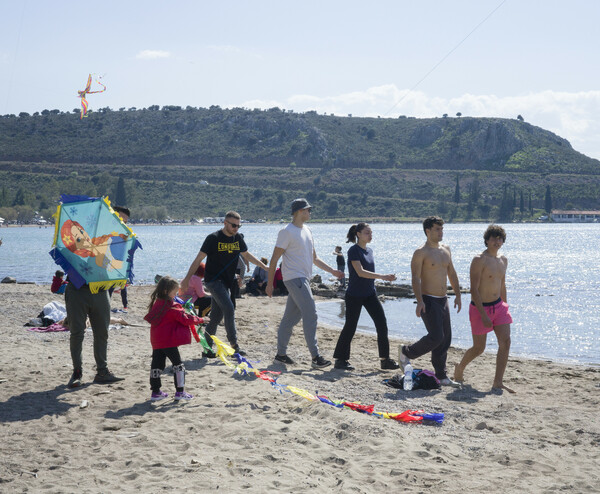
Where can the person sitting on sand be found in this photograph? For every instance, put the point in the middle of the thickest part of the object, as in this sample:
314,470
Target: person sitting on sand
58,283
489,309
258,283
169,328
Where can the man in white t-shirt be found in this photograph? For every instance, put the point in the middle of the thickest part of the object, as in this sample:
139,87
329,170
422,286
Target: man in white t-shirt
295,244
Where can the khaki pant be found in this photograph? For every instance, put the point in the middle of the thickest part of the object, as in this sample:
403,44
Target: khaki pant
81,304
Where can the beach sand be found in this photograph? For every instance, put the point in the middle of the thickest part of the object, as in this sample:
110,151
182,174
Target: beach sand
239,433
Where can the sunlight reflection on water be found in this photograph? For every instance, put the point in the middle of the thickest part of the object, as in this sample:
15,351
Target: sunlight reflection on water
553,283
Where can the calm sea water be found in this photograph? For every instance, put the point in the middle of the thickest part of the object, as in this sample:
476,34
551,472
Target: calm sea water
553,281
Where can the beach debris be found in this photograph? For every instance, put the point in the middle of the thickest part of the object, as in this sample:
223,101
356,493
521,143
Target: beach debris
8,279
84,404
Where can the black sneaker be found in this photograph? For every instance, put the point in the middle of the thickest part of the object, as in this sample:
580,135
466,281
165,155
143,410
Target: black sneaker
284,359
75,380
209,354
319,362
343,365
389,364
107,377
237,349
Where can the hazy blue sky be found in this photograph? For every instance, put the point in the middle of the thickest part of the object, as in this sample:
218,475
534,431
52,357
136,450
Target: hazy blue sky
534,58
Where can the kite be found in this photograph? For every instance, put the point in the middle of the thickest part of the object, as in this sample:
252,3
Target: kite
92,244
87,90
244,367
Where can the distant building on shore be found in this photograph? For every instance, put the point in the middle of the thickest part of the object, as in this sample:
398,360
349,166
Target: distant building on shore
560,216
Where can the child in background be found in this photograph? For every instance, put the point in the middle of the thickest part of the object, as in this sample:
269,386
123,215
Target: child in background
341,263
169,328
58,284
196,292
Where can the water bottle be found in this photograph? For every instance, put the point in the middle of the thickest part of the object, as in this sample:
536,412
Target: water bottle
408,377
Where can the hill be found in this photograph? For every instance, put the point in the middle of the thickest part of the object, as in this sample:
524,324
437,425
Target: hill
257,161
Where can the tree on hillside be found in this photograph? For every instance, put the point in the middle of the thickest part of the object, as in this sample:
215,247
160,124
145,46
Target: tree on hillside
522,204
505,214
19,197
530,204
332,207
520,118
457,191
459,114
280,198
548,200
3,197
120,194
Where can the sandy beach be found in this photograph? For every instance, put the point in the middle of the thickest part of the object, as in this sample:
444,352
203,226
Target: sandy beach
239,433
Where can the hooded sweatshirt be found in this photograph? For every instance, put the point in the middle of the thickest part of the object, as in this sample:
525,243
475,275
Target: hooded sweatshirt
170,325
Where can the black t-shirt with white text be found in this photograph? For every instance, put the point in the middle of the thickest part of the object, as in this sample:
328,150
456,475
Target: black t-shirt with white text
222,253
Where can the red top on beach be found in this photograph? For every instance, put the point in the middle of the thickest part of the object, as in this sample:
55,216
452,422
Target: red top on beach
56,284
170,325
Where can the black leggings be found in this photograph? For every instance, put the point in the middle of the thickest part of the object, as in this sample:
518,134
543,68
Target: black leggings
123,295
354,307
159,359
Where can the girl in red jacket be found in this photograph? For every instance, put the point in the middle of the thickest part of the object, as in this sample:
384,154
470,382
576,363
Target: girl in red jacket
169,328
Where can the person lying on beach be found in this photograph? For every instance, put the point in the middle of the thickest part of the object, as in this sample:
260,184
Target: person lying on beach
489,309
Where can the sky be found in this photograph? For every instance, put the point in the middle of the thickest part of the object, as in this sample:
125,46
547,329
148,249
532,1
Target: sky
425,58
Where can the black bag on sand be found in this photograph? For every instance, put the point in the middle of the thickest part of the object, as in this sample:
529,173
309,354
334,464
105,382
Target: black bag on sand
422,379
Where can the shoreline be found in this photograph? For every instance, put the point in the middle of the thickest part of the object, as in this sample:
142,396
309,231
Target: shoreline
320,298
392,220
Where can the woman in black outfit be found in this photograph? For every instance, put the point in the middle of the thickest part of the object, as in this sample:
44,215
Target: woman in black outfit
361,293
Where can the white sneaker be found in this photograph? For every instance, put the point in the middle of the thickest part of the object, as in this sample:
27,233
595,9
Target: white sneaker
403,359
449,382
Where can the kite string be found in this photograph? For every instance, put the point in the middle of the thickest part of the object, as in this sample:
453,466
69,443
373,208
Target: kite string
443,58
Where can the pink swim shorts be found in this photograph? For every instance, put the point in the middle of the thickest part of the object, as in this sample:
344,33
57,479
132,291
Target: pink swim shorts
497,312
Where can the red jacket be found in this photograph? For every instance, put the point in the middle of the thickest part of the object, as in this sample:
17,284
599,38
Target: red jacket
56,284
170,325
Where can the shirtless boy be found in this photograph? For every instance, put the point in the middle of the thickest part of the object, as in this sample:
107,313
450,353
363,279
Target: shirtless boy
488,310
431,267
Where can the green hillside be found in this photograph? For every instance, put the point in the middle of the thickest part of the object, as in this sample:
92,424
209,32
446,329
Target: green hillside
257,161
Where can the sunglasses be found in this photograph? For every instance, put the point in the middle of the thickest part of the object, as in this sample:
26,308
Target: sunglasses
234,225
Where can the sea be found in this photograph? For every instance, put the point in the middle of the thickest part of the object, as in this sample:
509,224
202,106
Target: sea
553,277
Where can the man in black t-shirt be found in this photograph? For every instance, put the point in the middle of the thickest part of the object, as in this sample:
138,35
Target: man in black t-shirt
222,250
